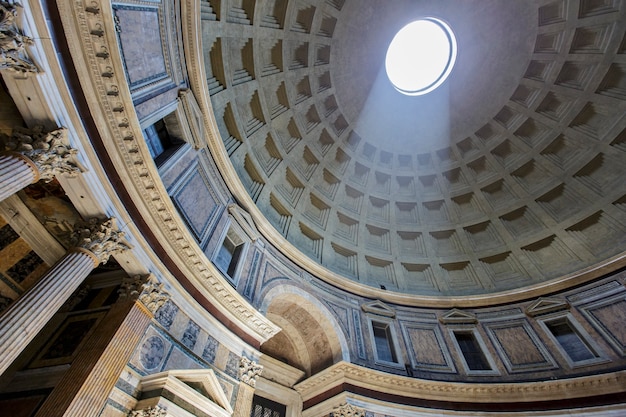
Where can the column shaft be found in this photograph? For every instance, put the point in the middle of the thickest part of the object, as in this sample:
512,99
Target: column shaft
15,173
23,320
243,404
85,388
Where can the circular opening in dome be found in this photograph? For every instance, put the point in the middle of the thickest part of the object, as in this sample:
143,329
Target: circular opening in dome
421,56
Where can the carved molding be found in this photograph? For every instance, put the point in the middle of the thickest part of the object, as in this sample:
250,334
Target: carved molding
88,32
344,372
100,237
156,411
348,410
49,151
13,43
249,371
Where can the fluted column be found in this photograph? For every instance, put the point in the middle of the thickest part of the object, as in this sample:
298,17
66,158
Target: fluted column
249,371
95,242
86,386
32,155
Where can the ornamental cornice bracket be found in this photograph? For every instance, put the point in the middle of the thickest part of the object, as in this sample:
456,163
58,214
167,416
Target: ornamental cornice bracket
249,371
13,55
49,151
100,237
348,410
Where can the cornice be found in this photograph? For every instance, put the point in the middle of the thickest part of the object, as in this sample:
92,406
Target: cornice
415,388
108,96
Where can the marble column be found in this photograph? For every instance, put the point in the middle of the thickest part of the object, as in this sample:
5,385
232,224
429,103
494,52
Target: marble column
86,386
249,371
32,155
94,242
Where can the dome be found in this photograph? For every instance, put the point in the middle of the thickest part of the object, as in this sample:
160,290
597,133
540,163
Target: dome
507,176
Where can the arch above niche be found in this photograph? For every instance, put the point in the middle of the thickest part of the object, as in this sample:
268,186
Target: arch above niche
304,321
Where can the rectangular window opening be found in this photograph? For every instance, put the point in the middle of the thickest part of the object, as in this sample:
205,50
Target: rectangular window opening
161,143
570,341
262,407
472,352
229,254
385,350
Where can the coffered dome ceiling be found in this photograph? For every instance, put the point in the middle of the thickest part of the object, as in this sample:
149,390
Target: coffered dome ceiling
510,175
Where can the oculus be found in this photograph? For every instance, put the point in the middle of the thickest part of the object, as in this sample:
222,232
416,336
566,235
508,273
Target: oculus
421,56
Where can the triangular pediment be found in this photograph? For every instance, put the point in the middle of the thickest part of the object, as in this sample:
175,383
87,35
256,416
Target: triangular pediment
244,220
379,308
546,305
458,316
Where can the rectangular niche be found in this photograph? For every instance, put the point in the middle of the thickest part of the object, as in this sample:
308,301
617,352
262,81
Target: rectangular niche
311,118
346,228
551,255
241,60
563,151
278,215
419,277
560,202
291,188
327,27
298,55
251,178
274,16
312,241
277,100
303,90
498,194
215,76
505,271
519,347
268,155
428,184
229,131
378,239
406,186
378,209
345,260
352,199
307,163
251,112
360,174
455,179
304,19
272,56
435,211
522,222
483,236
411,243
382,183
289,134
508,154
241,11
460,277
323,82
325,142
209,11
329,184
602,173
406,213
317,211
381,272
446,243
598,233
340,161
427,349
466,206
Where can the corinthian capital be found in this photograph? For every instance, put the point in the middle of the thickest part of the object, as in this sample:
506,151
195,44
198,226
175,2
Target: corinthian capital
348,410
156,411
49,151
100,237
249,371
147,289
12,42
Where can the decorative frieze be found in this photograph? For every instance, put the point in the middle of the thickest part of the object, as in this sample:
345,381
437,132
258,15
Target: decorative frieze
48,151
249,371
13,43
